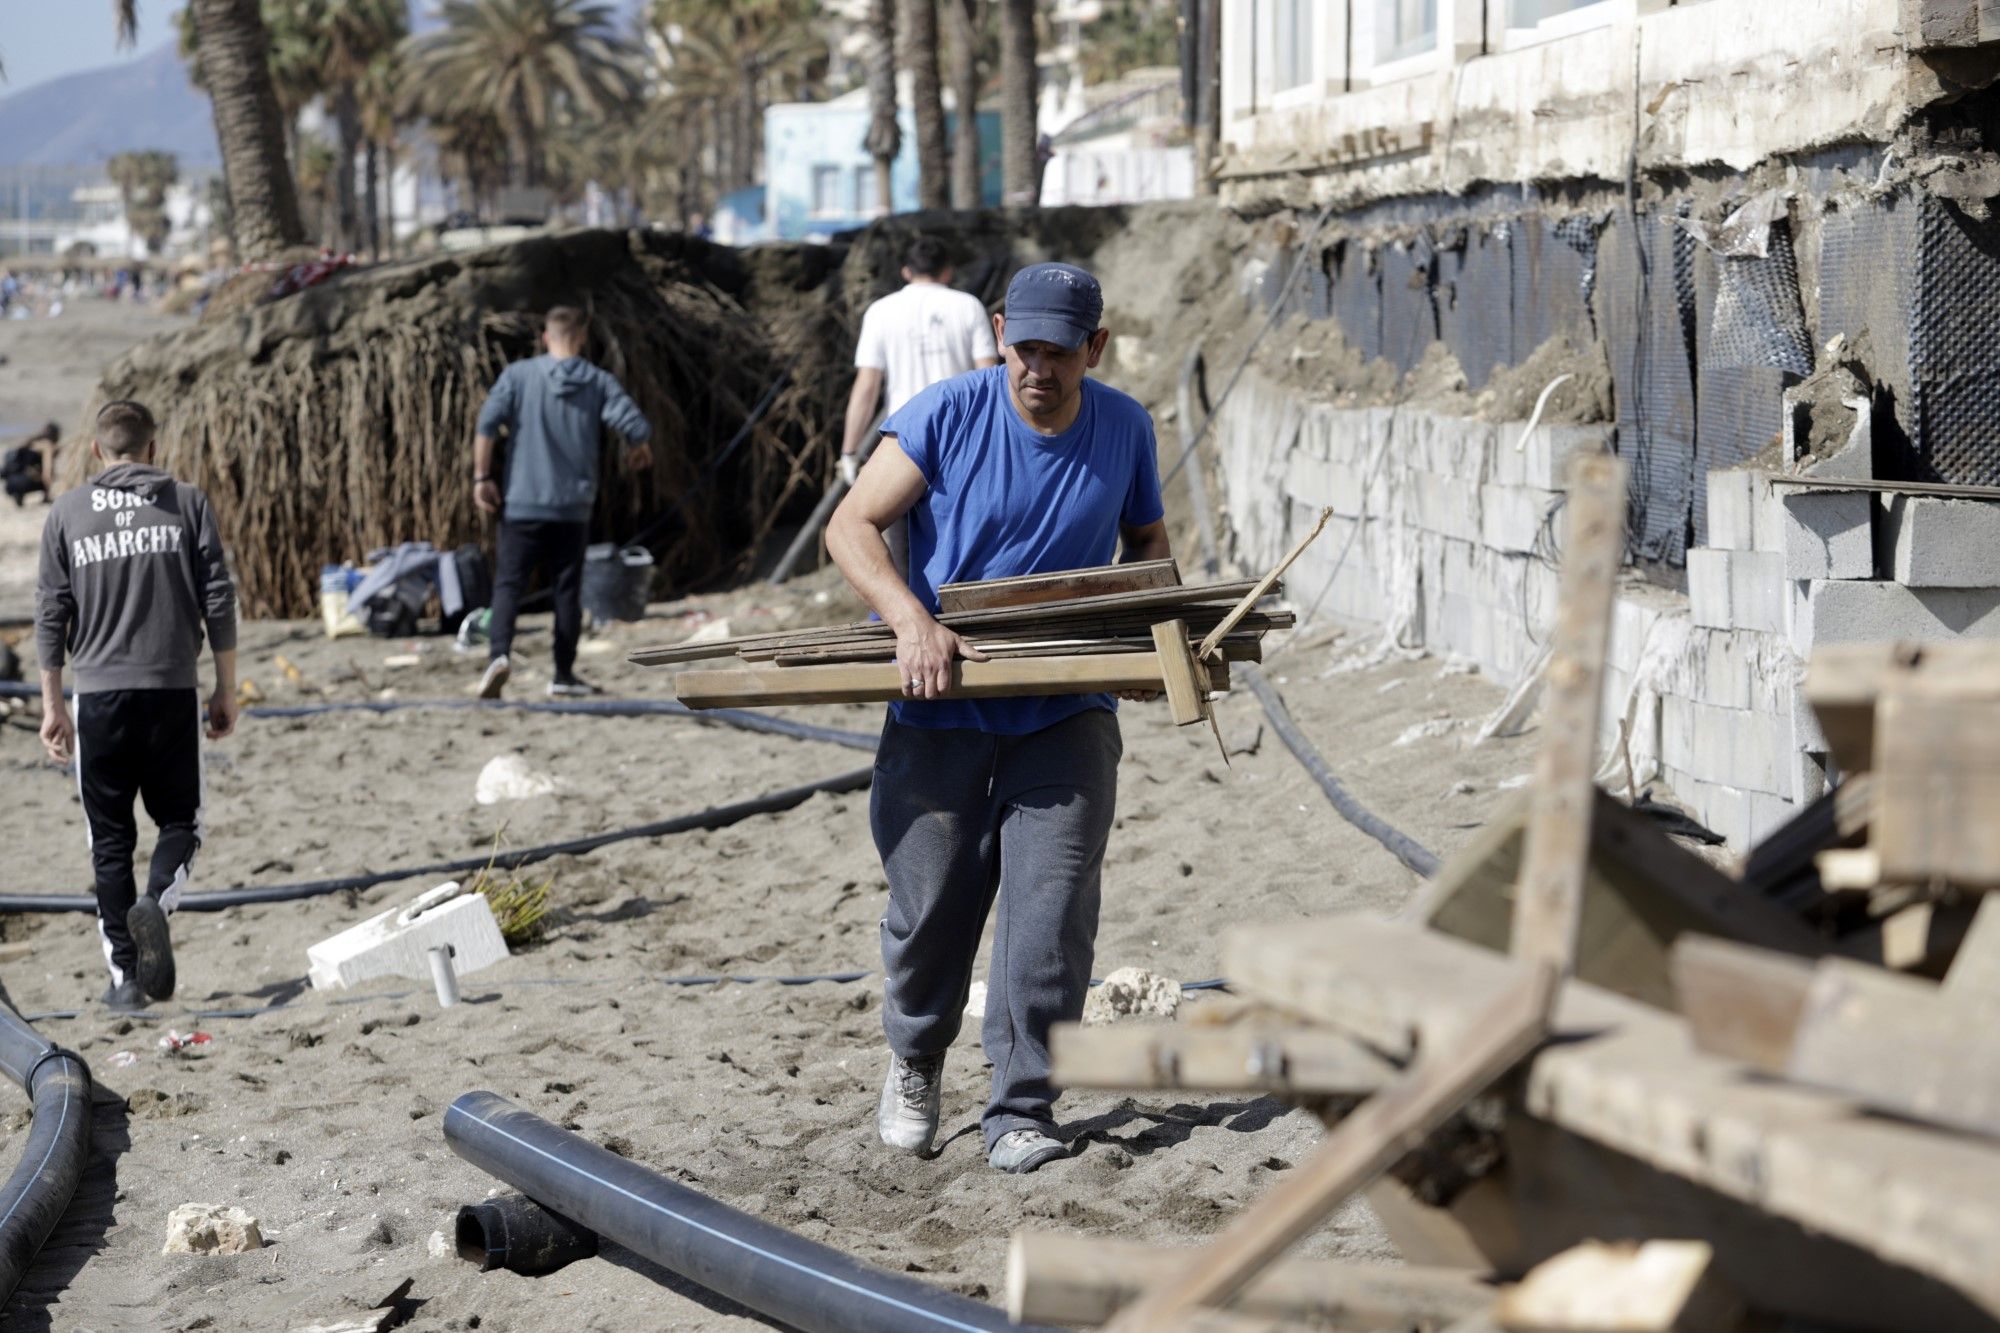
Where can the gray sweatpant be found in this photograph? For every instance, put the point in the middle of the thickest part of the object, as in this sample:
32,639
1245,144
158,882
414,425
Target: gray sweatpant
960,818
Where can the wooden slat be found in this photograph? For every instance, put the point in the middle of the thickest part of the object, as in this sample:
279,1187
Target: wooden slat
1363,1146
1630,1078
1739,1001
1899,1044
1247,648
1937,761
1661,1286
1975,970
1556,855
1029,589
1255,1057
879,682
1187,699
1263,587
1055,1278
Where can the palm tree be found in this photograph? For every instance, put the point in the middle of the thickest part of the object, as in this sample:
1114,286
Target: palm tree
1020,165
967,21
379,94
226,42
355,34
519,62
884,140
920,57
143,180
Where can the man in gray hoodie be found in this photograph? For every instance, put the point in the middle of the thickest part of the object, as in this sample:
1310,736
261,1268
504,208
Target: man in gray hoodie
555,408
132,574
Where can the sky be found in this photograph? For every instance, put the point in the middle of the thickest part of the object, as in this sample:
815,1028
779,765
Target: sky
40,40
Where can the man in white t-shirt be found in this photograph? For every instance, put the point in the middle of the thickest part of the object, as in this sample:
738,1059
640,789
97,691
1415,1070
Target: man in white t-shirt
910,340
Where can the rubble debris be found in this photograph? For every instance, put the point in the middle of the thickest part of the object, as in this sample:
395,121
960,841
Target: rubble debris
1132,992
211,1228
507,777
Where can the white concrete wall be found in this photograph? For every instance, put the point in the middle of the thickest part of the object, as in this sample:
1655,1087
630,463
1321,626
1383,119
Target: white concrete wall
1723,82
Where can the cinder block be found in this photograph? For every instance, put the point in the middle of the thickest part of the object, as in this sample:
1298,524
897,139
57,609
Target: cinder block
1766,815
397,943
1511,518
1545,460
1930,541
1737,589
1732,514
1869,610
1829,535
1446,505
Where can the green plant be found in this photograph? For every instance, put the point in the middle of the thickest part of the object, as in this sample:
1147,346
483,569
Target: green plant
520,904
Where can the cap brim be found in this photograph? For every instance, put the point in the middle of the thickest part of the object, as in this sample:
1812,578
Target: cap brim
1045,329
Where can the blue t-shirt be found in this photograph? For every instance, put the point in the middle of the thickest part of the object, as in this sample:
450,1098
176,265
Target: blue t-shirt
1003,500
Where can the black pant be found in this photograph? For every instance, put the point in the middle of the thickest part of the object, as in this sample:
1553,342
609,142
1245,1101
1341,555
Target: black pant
24,484
143,744
556,549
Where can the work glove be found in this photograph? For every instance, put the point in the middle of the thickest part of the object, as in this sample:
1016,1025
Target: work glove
850,468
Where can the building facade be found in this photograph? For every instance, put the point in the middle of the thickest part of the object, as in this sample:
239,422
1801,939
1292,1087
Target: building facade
819,180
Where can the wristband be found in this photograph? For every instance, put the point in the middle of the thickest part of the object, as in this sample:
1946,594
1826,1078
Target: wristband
479,480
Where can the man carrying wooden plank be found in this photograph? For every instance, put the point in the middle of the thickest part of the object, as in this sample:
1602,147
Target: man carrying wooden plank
1021,469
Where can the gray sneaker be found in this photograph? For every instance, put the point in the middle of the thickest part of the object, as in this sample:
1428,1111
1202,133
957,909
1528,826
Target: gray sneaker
907,1118
495,678
1020,1151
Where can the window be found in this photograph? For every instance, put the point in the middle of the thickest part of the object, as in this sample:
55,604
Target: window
1404,28
1527,13
826,192
1291,43
865,203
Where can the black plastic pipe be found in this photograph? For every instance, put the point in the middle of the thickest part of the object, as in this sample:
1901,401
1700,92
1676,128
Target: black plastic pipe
713,818
44,1181
513,1232
756,1264
739,718
1420,859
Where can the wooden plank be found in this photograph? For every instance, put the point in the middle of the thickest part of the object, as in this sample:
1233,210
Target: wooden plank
1247,648
1642,891
1740,1002
879,682
1263,587
1363,1146
1058,585
1937,752
1556,853
1975,970
1660,1286
1924,937
1845,683
1899,1044
1955,490
1187,700
1250,1057
1056,1278
1630,1078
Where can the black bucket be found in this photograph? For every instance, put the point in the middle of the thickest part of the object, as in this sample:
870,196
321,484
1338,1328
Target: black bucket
616,580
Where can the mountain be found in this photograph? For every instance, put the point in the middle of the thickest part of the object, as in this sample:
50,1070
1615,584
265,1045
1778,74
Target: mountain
82,119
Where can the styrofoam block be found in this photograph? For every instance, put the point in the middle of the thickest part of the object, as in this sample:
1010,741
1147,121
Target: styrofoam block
1766,815
1446,505
1829,535
396,943
1935,542
1752,751
1545,459
1732,521
1869,610
1708,587
1511,517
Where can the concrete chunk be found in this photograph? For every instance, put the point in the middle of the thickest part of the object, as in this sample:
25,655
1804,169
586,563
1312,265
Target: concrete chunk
211,1228
397,942
1829,535
1931,541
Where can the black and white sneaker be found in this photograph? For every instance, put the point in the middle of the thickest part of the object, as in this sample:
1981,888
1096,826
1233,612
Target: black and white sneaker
575,687
155,970
495,679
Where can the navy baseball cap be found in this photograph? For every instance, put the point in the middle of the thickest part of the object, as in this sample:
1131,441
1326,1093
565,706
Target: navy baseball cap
1053,303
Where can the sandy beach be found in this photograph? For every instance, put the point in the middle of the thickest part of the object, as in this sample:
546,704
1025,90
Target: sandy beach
320,1112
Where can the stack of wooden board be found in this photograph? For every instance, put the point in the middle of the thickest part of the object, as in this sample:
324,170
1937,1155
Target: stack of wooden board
1119,627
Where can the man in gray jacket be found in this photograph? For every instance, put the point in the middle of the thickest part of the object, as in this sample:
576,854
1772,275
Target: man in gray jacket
554,408
132,574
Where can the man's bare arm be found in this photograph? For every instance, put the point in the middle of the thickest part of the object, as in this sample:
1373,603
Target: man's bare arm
886,489
985,362
862,401
58,732
1145,543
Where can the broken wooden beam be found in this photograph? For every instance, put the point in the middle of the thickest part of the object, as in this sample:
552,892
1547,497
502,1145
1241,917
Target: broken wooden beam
1032,589
1055,1278
1658,1286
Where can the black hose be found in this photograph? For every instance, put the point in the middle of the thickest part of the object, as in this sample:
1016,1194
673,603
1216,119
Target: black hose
1421,861
786,1277
716,817
44,1181
739,718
